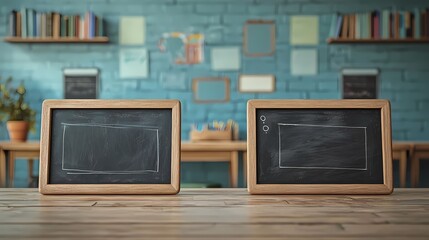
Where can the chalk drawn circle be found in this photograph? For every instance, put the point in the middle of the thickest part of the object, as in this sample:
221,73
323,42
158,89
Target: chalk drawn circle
265,128
263,118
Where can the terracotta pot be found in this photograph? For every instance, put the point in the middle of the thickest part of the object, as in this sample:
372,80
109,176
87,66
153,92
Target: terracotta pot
18,130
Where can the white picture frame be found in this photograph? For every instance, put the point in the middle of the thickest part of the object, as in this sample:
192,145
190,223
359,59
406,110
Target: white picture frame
255,83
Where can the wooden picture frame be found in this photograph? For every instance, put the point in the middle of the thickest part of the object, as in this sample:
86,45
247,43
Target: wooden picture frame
386,148
197,81
45,187
264,77
272,28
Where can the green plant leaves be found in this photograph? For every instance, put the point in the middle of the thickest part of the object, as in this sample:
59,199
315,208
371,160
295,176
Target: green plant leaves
13,106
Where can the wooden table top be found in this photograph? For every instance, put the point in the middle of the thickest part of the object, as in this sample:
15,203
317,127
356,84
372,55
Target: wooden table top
421,146
410,145
26,146
213,214
397,146
214,146
204,146
186,146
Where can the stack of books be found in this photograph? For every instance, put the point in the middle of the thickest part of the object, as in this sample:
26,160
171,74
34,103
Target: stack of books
28,23
384,24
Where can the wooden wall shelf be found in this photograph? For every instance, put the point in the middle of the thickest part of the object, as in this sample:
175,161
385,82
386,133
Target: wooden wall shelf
56,40
363,41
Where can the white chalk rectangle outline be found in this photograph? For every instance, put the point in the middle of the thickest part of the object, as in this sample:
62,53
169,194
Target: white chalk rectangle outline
326,126
82,171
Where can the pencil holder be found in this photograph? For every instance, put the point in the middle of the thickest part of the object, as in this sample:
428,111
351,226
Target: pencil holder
211,135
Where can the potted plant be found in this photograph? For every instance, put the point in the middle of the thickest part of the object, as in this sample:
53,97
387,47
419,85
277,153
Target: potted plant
13,109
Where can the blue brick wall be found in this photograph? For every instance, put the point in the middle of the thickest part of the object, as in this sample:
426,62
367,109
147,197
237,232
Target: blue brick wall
404,68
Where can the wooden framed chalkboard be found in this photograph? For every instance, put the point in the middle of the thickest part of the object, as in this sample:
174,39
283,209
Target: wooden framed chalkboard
319,147
110,147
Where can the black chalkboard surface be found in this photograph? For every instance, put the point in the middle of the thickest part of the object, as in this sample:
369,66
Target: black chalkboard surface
319,143
95,143
81,83
360,83
80,88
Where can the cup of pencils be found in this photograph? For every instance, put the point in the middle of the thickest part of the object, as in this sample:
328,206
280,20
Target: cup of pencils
214,131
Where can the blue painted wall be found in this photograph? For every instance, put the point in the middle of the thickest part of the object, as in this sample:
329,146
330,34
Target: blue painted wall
404,68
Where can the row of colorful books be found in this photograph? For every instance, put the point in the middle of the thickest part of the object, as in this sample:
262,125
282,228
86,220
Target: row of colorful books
27,23
384,24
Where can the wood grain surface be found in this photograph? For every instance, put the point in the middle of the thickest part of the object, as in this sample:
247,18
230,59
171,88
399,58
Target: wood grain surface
56,40
214,214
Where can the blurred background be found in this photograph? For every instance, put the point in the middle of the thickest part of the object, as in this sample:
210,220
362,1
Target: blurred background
161,49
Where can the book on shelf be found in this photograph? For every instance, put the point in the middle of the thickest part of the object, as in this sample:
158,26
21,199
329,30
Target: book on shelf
381,24
338,27
345,27
357,26
12,22
417,17
385,24
38,24
24,22
28,23
30,32
18,24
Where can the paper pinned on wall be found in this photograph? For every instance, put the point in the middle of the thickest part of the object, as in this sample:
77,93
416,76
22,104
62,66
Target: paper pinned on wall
304,30
132,30
225,58
174,80
133,63
304,62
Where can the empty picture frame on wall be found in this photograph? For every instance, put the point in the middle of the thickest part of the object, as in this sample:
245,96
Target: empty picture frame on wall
225,58
256,83
211,89
259,38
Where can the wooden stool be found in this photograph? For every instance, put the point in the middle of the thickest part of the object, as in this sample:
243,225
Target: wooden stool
9,151
216,151
421,151
400,152
12,157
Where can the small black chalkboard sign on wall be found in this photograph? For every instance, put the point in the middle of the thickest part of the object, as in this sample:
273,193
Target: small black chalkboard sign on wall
360,83
319,147
81,83
110,147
